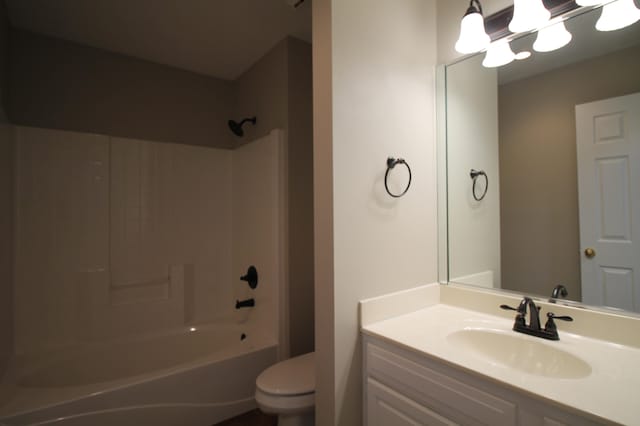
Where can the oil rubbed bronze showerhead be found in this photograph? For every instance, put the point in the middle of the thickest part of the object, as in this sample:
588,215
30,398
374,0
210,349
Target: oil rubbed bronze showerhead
236,127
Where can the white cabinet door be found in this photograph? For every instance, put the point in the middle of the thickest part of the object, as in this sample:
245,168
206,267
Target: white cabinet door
608,148
386,407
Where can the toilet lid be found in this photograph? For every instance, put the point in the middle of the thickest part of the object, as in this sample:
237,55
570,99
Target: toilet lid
295,376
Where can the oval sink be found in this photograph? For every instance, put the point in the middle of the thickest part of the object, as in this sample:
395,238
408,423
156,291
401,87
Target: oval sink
521,353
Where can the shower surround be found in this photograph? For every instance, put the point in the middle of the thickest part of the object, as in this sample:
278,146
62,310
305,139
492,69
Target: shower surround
129,244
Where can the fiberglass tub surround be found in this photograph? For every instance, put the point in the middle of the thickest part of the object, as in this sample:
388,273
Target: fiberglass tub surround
142,251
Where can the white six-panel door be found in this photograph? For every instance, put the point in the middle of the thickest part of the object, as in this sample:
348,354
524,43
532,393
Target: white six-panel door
608,148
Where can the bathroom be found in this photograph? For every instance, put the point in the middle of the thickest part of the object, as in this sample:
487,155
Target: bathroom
375,96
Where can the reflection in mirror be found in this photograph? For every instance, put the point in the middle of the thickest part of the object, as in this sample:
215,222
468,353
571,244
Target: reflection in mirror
558,135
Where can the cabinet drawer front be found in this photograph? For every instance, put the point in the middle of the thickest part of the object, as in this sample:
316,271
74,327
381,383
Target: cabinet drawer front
452,398
387,407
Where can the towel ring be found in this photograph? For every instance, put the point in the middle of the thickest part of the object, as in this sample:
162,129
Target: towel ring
474,175
391,163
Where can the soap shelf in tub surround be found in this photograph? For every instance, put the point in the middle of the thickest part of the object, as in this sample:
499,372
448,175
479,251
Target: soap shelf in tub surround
447,353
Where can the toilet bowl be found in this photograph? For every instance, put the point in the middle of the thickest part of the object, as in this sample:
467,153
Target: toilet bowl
288,390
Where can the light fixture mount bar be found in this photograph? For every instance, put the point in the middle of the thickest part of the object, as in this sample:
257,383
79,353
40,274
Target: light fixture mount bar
474,7
497,25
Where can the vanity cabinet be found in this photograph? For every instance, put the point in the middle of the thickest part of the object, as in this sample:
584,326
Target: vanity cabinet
403,387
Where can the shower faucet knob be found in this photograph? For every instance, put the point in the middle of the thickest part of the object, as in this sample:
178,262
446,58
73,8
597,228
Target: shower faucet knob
251,277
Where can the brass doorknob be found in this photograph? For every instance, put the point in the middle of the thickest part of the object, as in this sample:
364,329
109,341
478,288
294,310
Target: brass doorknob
589,252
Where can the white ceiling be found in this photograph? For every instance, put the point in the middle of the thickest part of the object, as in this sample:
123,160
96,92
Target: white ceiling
220,38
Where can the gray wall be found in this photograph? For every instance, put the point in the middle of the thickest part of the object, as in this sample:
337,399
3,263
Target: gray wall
6,205
278,90
262,91
539,216
62,85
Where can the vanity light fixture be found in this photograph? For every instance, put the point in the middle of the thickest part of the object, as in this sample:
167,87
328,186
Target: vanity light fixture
552,37
528,15
524,54
618,14
498,54
473,36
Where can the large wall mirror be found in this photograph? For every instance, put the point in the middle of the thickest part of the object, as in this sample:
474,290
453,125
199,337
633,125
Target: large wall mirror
543,168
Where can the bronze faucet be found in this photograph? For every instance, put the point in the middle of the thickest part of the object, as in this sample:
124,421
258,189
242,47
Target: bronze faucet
550,330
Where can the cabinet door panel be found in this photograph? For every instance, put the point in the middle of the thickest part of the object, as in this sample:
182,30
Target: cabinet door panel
457,400
387,407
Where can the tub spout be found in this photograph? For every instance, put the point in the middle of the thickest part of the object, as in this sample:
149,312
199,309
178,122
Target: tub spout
249,303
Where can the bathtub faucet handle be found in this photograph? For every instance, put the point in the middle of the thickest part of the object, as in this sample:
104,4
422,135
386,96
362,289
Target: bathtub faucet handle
251,277
249,303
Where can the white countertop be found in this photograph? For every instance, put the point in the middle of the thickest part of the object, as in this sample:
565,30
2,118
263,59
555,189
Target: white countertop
608,392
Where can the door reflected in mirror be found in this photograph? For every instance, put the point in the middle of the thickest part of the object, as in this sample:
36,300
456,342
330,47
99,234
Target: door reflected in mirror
558,136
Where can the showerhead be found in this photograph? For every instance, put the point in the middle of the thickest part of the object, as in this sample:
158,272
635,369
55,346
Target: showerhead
236,127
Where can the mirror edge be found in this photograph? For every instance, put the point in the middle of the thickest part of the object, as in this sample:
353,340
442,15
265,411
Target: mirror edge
539,298
441,170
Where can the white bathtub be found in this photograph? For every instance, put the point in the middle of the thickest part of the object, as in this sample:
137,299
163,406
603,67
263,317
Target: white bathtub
191,377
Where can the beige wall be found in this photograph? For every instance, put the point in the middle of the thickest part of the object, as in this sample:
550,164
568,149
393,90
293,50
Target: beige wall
538,176
374,72
62,85
277,90
6,205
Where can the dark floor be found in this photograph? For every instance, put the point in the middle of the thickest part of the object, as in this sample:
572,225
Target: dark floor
252,418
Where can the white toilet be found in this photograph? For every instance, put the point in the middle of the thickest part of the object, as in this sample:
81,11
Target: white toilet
288,389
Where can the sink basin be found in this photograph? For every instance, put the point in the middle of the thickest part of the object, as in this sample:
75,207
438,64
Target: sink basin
521,353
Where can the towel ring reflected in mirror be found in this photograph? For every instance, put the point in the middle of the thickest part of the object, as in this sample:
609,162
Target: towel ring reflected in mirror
474,176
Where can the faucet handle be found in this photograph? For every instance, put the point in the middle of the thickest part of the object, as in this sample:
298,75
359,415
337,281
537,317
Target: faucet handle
550,326
519,322
521,309
508,308
552,316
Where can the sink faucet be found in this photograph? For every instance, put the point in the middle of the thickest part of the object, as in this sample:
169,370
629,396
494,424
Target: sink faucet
534,315
558,291
550,330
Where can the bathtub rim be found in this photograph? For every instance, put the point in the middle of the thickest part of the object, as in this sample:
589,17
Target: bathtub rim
31,398
25,366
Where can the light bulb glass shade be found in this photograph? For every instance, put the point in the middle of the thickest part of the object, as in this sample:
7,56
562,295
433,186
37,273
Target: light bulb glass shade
498,54
552,37
617,15
528,15
473,37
